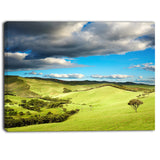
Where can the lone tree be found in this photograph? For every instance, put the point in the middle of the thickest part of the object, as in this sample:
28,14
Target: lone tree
66,90
134,103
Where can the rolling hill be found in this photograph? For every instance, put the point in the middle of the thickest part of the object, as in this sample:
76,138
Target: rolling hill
103,106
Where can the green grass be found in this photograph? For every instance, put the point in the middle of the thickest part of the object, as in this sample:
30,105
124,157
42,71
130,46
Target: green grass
102,108
18,86
141,86
16,100
27,87
53,89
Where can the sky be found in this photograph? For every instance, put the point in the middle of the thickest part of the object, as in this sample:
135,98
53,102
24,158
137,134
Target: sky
102,51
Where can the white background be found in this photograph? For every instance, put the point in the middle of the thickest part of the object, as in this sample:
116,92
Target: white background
135,145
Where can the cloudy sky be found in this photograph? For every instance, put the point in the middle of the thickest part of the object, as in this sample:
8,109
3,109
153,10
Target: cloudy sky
111,51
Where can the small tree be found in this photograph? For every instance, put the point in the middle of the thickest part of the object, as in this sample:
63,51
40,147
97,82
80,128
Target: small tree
28,113
66,90
134,103
21,113
23,101
7,101
49,113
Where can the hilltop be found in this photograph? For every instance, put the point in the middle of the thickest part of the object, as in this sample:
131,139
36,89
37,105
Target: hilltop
35,86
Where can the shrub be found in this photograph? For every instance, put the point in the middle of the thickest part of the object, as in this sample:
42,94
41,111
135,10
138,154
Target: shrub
8,109
49,98
34,104
64,109
49,113
37,119
7,101
12,113
28,113
9,93
21,113
23,101
71,112
77,110
66,90
55,104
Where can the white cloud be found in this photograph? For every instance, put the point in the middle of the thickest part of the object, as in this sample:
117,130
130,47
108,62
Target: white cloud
118,76
34,73
148,67
74,75
132,59
18,61
145,66
147,81
135,66
140,77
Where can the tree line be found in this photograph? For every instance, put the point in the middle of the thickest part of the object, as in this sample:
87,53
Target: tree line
38,119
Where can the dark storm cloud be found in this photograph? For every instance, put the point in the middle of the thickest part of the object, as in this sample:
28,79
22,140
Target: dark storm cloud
33,28
71,39
17,61
148,38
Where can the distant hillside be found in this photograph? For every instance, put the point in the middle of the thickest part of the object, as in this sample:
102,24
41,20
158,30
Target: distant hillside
36,87
16,86
87,82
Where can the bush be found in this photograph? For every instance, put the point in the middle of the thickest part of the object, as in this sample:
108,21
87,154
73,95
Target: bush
71,112
28,113
37,119
9,93
11,122
49,98
10,111
34,104
64,109
55,104
37,103
21,113
7,101
66,90
23,101
49,113
13,113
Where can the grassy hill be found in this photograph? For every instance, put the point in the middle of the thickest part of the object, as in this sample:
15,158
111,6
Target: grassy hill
17,86
36,87
103,106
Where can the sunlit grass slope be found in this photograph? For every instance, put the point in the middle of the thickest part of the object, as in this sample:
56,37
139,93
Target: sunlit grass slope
18,86
27,87
32,87
50,88
102,108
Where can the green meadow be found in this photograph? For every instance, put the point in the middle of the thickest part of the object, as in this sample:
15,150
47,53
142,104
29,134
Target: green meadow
86,106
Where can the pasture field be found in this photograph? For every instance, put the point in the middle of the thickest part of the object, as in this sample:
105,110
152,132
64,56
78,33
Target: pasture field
101,106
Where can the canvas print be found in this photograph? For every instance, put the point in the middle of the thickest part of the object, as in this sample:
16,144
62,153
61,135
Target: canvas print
79,76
